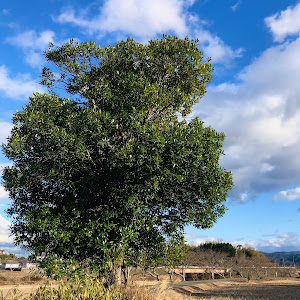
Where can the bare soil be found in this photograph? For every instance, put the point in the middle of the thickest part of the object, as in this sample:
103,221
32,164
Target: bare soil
271,289
24,282
19,277
288,289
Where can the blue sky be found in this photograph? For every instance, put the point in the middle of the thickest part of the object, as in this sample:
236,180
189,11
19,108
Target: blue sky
254,97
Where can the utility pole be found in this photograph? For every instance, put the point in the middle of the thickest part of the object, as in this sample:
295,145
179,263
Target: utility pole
294,260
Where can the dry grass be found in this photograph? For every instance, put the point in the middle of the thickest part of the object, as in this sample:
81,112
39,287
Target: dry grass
16,277
88,289
284,288
217,290
253,290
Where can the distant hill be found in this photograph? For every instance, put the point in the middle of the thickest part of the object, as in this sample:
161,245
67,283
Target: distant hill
285,258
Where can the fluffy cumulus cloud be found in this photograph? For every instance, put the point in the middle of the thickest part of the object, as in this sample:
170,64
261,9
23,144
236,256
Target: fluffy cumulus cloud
33,44
285,23
20,86
290,195
5,128
267,243
196,239
140,18
275,242
3,193
260,115
4,231
7,240
147,19
214,47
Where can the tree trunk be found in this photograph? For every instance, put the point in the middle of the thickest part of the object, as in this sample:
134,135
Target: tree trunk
114,274
153,274
126,274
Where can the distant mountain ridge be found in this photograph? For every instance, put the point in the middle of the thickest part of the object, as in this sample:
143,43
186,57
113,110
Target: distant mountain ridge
284,258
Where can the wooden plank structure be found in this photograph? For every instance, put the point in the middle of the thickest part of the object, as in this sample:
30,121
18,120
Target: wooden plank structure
184,270
197,270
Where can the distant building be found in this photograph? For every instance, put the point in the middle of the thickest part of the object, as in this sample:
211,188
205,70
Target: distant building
1,252
11,265
25,263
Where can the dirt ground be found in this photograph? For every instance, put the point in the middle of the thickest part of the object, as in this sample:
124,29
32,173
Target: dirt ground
288,289
272,289
25,282
15,277
23,289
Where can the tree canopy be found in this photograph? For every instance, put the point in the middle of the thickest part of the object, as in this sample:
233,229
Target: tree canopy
114,170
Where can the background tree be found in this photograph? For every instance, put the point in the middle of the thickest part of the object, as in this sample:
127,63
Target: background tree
239,261
251,263
8,256
291,258
210,254
114,168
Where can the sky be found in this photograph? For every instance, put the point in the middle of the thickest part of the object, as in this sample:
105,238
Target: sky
254,97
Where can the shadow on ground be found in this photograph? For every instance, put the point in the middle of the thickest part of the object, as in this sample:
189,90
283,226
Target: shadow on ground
271,292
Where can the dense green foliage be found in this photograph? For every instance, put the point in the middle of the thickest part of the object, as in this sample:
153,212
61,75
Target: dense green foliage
226,248
219,247
114,173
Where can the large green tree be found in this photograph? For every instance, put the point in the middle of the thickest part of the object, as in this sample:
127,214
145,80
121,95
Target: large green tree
114,170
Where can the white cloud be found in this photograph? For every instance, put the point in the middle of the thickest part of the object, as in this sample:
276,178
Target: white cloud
140,18
290,195
19,86
149,18
260,115
236,5
284,23
4,231
196,239
33,44
214,47
275,243
5,129
267,243
3,193
243,197
265,167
